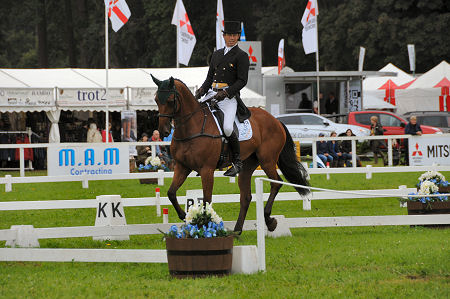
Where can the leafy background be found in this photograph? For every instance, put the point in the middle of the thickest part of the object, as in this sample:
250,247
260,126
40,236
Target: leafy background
70,33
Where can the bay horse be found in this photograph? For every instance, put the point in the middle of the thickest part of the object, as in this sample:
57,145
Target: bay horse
197,144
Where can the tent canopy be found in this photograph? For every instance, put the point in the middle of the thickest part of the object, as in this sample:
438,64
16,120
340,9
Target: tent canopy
83,89
374,83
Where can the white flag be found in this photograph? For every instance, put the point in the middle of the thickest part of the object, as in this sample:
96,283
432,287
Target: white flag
309,22
118,13
220,18
281,59
186,37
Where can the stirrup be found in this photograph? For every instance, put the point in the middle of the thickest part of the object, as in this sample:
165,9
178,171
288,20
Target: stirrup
234,169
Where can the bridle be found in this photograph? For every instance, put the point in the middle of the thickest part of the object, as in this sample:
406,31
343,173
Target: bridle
163,97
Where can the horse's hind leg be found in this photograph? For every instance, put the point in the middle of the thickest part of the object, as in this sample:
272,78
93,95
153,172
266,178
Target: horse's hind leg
269,168
245,177
179,177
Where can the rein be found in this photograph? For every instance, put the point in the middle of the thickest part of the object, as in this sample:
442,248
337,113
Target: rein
202,132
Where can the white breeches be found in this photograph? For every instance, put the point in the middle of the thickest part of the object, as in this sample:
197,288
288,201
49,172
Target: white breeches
228,106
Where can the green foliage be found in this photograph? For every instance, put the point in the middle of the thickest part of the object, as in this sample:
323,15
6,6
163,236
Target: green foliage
383,27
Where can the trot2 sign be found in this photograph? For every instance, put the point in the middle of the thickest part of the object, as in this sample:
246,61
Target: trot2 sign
88,159
428,150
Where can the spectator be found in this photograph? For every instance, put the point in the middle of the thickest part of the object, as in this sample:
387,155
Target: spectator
160,152
167,147
143,151
346,147
412,128
376,129
305,103
110,138
324,151
93,135
335,151
332,104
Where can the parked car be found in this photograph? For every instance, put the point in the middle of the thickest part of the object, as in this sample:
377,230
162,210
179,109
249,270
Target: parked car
392,123
438,119
311,125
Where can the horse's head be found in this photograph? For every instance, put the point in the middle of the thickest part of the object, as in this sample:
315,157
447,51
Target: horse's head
168,103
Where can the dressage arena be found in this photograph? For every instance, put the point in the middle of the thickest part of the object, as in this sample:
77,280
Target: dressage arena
350,219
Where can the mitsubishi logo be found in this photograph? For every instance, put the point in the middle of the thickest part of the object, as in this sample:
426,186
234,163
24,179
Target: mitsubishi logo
188,25
417,151
250,56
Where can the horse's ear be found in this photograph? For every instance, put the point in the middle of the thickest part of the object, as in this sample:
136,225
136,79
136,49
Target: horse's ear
157,82
171,82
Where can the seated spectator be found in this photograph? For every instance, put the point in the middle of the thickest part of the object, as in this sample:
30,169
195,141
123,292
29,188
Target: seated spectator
143,151
324,151
346,147
160,152
93,134
335,147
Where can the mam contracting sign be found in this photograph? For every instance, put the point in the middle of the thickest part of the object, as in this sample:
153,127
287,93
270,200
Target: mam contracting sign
88,159
428,150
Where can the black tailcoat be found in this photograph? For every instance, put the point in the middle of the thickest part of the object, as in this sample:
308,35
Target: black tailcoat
232,69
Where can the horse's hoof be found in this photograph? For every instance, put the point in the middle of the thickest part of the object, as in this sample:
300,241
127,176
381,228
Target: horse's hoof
238,232
272,224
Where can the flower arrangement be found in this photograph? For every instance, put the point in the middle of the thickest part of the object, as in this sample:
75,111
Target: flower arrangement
201,222
153,164
429,184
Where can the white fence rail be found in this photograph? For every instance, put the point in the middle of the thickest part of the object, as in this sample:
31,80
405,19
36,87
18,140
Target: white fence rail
9,180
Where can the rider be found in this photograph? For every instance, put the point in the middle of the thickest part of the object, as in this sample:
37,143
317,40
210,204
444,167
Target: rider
227,75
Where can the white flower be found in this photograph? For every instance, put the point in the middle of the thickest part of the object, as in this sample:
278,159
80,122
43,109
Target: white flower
214,217
153,161
193,212
428,187
429,175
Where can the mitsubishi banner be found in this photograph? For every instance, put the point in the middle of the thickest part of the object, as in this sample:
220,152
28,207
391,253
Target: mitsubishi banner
88,159
424,150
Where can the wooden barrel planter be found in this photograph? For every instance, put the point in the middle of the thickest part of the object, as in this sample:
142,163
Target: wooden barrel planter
438,207
199,257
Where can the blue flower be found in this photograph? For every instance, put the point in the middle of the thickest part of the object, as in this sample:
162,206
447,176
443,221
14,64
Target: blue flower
174,229
444,183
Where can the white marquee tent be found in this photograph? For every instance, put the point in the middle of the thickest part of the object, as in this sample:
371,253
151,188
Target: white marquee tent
373,91
425,92
53,90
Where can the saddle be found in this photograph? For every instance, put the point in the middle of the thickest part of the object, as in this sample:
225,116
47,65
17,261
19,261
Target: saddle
242,130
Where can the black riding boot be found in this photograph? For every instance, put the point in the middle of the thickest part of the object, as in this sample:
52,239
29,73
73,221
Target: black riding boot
237,163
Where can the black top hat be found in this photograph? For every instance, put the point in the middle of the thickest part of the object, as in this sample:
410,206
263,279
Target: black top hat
232,27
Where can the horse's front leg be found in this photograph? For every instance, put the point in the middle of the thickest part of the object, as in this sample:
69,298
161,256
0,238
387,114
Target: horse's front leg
207,175
179,177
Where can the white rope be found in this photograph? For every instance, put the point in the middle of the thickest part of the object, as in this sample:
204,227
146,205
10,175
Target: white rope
356,193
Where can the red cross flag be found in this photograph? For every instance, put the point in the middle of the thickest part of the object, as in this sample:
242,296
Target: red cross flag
309,22
118,13
220,18
281,59
185,37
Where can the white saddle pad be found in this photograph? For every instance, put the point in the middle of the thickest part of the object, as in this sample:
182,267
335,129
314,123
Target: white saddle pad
244,128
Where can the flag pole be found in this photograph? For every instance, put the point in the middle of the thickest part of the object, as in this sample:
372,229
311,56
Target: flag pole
317,57
178,45
106,73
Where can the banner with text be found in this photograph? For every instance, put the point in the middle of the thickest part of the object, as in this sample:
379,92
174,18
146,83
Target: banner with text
88,159
28,97
91,97
425,151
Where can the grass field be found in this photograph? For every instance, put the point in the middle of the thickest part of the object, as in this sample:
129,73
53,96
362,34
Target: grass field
362,262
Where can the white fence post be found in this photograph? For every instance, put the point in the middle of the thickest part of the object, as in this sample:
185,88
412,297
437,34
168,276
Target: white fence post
314,155
25,236
8,184
22,161
368,172
260,224
403,204
354,153
390,152
85,182
158,202
160,177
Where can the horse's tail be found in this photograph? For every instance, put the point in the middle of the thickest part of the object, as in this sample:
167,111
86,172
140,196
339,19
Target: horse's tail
291,168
